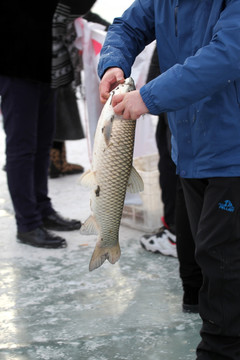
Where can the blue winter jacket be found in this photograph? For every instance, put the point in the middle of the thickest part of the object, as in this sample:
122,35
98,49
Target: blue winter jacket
198,44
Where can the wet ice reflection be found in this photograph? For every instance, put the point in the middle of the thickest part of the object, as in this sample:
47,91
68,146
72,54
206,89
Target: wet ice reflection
7,304
51,307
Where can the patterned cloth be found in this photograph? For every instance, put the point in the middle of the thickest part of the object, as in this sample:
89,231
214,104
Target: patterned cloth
66,62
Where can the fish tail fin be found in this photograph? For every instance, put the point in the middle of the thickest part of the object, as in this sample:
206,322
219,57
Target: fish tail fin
100,254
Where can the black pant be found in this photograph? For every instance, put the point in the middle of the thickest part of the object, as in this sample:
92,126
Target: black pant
213,207
190,271
28,110
167,170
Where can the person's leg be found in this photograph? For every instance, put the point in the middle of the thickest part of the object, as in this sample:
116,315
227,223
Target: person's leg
59,165
20,106
167,171
214,212
189,270
27,164
46,128
69,168
45,133
55,168
68,127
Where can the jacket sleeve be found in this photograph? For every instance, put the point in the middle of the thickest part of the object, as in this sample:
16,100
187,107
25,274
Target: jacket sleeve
127,37
210,70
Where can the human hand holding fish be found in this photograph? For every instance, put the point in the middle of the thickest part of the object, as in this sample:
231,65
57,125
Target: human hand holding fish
130,105
127,104
112,77
112,174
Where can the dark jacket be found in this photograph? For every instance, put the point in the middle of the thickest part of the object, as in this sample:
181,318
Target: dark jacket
26,37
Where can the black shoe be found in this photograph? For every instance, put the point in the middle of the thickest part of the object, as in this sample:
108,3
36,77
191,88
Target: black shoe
56,222
40,237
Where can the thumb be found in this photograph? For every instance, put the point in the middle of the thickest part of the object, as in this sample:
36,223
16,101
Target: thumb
120,79
119,76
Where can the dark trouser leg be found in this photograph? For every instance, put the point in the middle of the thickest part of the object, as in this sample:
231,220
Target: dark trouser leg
46,129
213,206
167,170
190,272
29,125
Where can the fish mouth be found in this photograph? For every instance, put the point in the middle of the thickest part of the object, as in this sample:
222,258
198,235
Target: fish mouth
128,86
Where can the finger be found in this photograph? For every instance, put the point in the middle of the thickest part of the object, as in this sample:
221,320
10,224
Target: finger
104,90
116,82
119,108
105,87
120,80
129,115
118,76
126,115
116,99
103,98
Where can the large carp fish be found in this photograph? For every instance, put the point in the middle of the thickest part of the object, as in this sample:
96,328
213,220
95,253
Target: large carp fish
112,174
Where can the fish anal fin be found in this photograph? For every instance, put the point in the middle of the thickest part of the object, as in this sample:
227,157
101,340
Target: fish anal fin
89,227
88,179
135,182
100,254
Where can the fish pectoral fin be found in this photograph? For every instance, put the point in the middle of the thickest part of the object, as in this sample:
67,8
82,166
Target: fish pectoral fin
135,182
89,227
100,254
88,179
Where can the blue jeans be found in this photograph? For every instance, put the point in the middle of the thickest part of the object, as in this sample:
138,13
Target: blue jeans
28,110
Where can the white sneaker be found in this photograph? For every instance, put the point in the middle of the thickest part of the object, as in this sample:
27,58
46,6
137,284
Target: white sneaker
164,242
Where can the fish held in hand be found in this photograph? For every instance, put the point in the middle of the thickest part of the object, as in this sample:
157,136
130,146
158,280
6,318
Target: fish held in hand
111,176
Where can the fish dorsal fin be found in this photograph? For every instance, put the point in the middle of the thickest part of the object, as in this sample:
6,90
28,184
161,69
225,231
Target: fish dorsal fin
88,179
135,182
89,227
107,129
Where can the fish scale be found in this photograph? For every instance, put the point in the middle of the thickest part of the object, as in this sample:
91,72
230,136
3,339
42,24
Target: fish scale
112,174
116,164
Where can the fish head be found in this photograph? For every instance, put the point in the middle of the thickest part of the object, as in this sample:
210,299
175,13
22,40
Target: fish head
123,88
129,82
107,117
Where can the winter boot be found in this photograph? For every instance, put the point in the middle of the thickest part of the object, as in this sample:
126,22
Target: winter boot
68,168
55,168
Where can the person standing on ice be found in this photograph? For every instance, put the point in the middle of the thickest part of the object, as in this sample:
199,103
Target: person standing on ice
198,46
28,106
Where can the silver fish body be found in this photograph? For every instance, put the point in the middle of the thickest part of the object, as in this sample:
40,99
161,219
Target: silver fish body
111,176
